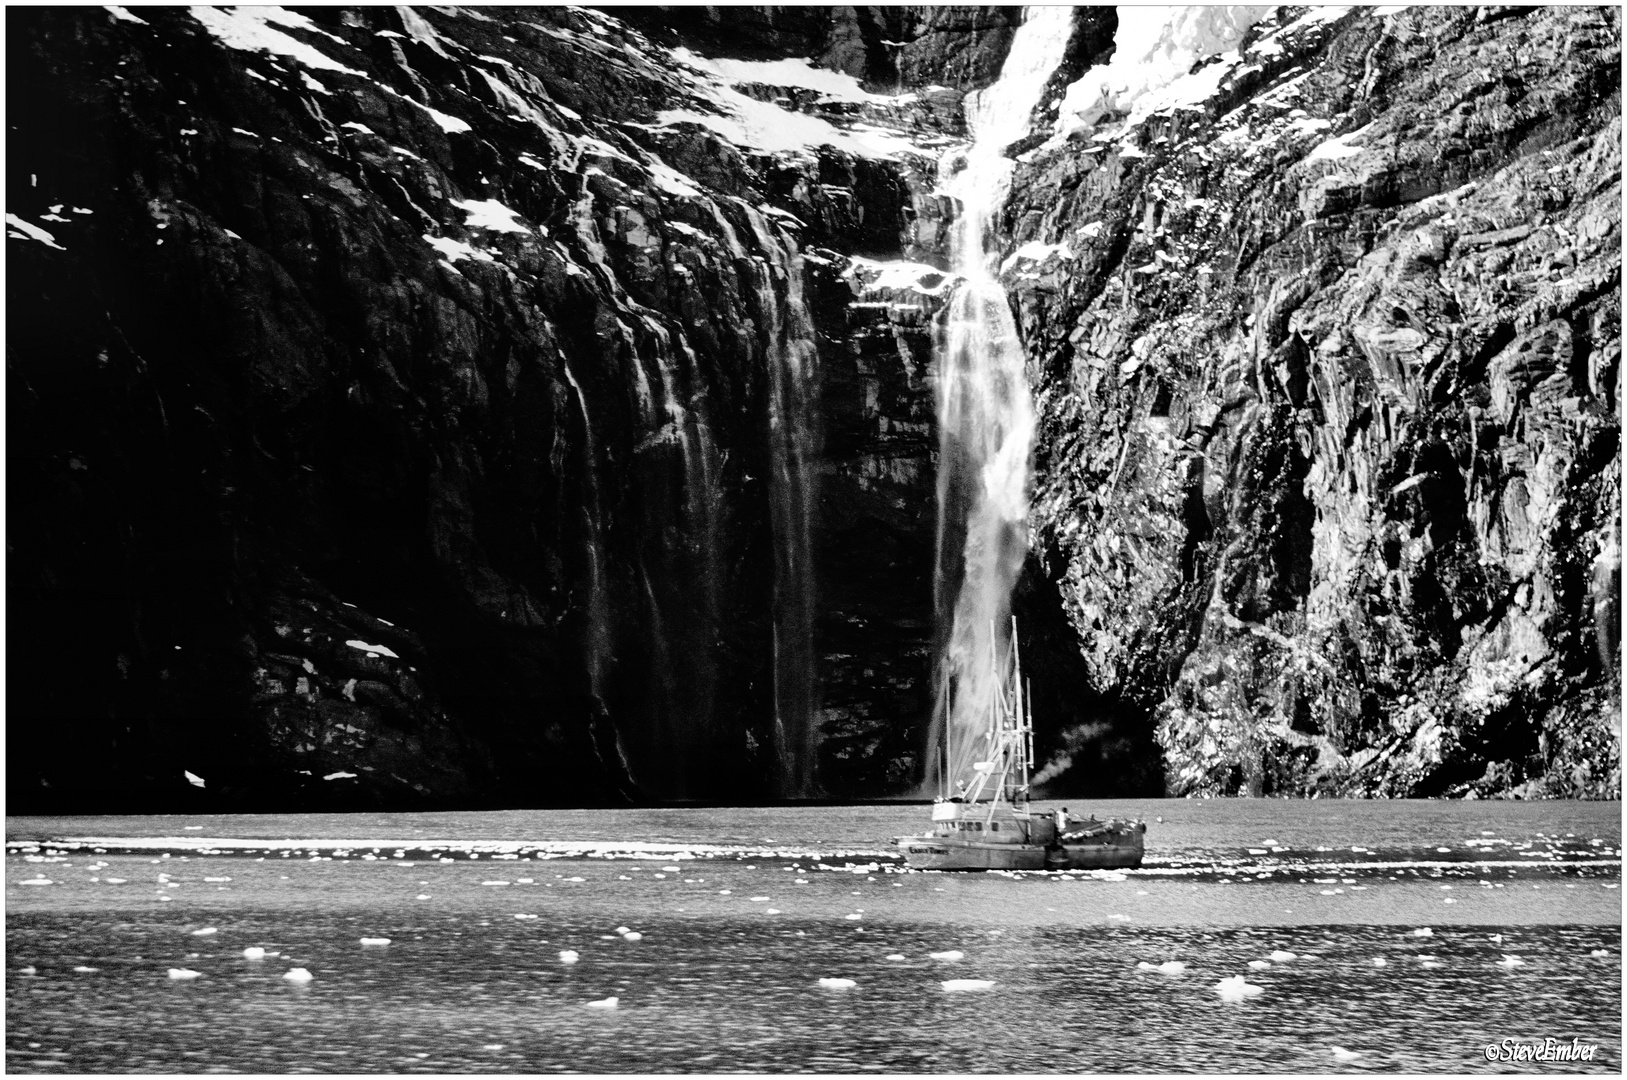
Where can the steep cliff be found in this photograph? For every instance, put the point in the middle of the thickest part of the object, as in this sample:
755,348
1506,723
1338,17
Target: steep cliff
483,406
1326,338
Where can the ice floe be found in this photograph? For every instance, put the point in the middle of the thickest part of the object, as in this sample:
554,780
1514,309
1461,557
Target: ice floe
569,956
959,985
837,984
948,954
184,974
1237,989
254,952
604,1003
298,975
375,941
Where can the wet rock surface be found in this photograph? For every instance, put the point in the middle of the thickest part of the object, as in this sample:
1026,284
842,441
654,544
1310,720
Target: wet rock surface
418,408
1329,457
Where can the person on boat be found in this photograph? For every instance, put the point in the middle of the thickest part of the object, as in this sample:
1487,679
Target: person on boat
1061,821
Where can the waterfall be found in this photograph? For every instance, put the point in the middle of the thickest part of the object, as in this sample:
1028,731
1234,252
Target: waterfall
985,413
793,445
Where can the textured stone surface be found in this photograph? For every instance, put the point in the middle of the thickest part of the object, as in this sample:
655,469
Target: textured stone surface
1329,463
1328,469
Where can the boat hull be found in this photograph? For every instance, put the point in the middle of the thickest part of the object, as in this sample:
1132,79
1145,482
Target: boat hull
952,853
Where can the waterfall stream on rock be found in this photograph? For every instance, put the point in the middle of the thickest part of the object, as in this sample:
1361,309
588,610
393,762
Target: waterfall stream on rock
985,414
792,436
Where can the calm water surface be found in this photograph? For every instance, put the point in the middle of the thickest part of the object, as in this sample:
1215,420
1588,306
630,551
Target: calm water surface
743,911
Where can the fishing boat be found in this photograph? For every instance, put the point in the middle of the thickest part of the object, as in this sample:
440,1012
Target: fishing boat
987,823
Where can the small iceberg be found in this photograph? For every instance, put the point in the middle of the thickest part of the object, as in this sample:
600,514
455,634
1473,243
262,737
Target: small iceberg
1168,967
900,956
206,931
1379,961
1510,961
771,911
1282,956
298,975
184,974
375,941
837,984
1341,1054
624,929
632,935
948,954
604,1003
960,985
1600,952
1431,964
759,899
569,956
1423,931
254,952
1237,989
423,896
82,968
1259,965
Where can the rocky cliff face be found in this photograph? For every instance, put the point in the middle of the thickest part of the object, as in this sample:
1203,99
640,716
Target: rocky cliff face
1329,371
506,406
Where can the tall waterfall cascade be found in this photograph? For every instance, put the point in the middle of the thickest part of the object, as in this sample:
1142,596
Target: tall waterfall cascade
985,413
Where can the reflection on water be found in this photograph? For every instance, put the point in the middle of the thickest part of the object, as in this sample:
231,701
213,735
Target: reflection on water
460,993
726,975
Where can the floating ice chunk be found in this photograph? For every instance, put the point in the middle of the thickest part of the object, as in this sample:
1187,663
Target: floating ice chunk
670,869
604,1003
1236,989
895,956
1257,851
1168,967
217,879
205,932
1431,964
1379,961
375,941
759,899
423,896
1259,965
29,970
1600,952
86,970
494,883
623,929
771,911
298,975
569,956
957,985
184,974
1282,956
254,952
837,984
853,916
115,880
340,776
1341,1054
518,915
37,881
1423,931
948,954
1510,961
632,935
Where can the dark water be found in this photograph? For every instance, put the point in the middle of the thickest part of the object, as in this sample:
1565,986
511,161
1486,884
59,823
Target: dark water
748,909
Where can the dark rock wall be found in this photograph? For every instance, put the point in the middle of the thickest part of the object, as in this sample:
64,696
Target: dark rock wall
317,471
1329,460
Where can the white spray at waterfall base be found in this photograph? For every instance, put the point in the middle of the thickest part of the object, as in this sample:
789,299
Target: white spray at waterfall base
985,412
